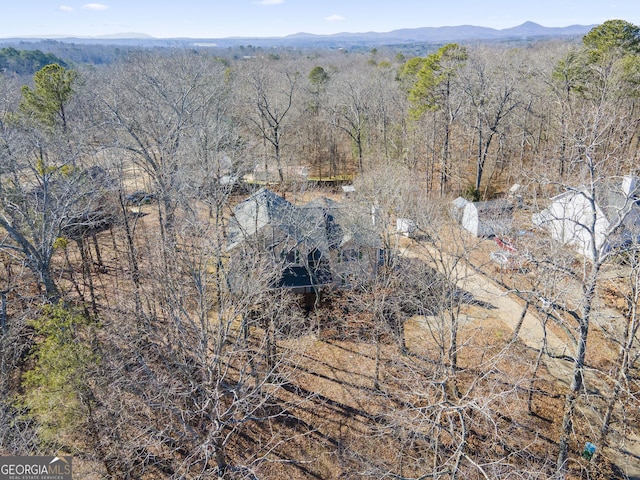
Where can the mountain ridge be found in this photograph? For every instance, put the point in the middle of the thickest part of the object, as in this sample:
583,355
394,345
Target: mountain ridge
460,33
468,32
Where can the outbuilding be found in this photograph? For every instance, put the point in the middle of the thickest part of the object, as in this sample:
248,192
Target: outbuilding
607,220
487,219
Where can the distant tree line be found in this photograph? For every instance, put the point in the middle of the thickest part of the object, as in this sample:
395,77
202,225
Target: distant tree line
26,62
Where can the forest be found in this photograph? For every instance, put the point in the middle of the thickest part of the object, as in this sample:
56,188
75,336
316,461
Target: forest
153,323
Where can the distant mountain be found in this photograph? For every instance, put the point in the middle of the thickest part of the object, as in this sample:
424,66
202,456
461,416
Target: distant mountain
459,33
125,36
534,30
114,36
462,33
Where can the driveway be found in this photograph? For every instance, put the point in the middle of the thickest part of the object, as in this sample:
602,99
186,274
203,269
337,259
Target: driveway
625,451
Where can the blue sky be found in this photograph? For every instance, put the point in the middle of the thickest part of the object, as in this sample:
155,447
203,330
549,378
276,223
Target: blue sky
262,18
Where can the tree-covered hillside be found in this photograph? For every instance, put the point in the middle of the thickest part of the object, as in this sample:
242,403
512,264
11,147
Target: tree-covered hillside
26,62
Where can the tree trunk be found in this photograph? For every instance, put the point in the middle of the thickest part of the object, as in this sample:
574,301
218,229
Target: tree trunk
534,374
453,342
444,177
133,260
3,313
96,246
221,461
51,289
276,146
376,380
516,331
86,273
578,374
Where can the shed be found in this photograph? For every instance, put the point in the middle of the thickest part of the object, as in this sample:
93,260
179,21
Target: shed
487,219
406,227
457,208
348,190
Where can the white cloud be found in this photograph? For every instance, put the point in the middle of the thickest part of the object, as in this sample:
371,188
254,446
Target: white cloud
65,8
95,6
270,2
334,18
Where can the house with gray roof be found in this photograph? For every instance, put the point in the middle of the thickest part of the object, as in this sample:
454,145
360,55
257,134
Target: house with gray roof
319,244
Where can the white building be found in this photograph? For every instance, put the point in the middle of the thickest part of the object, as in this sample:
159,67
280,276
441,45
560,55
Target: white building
608,221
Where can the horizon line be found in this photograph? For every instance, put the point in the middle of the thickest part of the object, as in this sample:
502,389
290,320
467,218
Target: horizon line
143,36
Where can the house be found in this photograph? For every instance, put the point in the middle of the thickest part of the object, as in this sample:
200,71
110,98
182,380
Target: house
266,223
608,221
487,219
354,246
319,244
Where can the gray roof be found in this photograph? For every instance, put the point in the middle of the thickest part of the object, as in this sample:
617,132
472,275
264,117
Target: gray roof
345,223
614,201
265,211
493,206
321,224
320,227
261,210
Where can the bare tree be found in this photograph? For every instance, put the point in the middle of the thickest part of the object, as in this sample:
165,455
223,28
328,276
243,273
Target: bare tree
46,190
492,94
350,109
155,107
624,333
271,98
598,234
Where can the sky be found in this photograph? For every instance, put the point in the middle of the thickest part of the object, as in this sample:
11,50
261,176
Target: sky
266,18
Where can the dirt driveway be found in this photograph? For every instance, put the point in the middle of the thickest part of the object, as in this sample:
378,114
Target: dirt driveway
625,450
